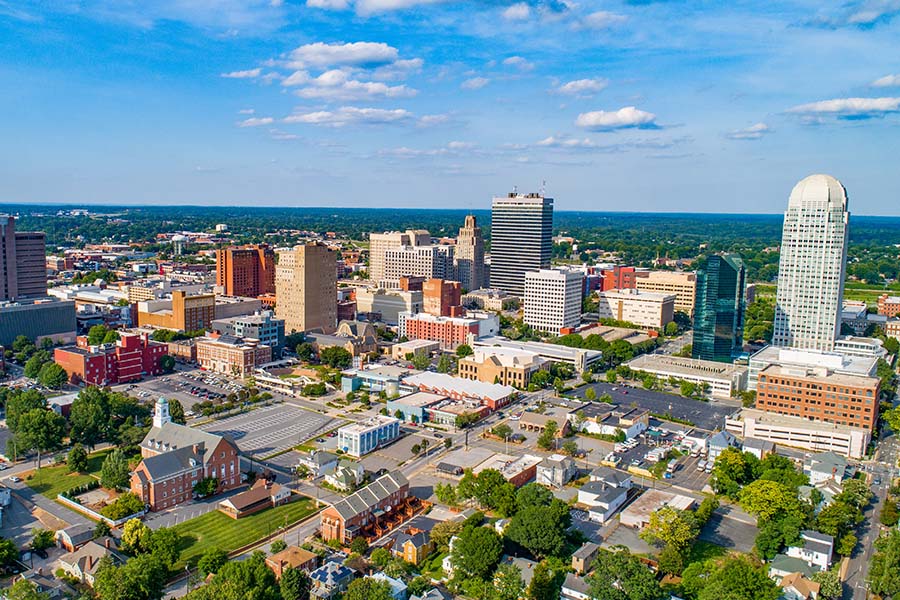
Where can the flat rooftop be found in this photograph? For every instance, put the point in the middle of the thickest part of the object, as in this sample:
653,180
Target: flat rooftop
689,367
419,399
551,351
851,365
819,375
508,465
370,423
775,420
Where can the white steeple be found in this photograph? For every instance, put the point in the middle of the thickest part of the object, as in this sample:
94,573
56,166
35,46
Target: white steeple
161,415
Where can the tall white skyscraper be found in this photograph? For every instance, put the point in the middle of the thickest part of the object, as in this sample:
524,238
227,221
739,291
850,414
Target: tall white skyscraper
553,299
521,239
812,266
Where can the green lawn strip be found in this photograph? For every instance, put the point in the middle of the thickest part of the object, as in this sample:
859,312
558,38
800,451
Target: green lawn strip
51,481
702,550
215,530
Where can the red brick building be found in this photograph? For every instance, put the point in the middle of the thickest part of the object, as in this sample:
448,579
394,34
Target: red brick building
441,298
370,512
246,270
617,278
177,457
449,331
889,306
128,359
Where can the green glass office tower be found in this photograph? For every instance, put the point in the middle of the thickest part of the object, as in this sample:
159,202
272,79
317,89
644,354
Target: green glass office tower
719,313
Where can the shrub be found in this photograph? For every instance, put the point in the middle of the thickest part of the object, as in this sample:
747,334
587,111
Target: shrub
124,506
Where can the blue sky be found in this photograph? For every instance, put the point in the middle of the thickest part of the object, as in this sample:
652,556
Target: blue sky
621,105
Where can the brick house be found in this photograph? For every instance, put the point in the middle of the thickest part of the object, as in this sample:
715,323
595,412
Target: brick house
128,359
176,458
371,510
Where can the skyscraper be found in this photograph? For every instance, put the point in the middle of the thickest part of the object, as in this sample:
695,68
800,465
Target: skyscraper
812,266
380,243
521,239
306,288
246,270
470,255
23,265
719,309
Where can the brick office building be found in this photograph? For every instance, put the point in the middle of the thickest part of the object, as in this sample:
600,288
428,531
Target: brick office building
889,306
246,270
181,313
177,457
441,298
128,359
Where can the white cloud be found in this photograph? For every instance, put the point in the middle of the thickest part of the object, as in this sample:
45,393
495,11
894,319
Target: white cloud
248,74
517,12
460,145
601,19
256,122
623,118
582,87
432,120
296,78
246,111
451,149
356,54
276,3
368,7
336,85
754,132
475,83
282,136
328,4
400,69
347,115
566,142
518,62
887,81
850,108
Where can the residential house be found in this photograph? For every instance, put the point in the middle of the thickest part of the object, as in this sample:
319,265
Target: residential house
611,477
828,489
816,549
262,494
719,442
294,557
584,557
432,594
609,419
413,543
601,500
51,587
574,588
795,586
758,448
826,466
346,475
318,462
177,457
524,565
398,588
783,565
369,511
82,563
330,581
555,471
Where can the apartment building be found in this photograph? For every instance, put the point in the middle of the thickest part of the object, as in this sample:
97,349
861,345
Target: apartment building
363,437
646,309
23,266
681,283
449,331
306,288
505,366
431,261
553,299
441,298
232,355
366,511
889,306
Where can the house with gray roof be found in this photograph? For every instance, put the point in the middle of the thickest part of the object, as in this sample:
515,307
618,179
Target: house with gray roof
758,448
555,471
719,442
330,580
815,549
826,465
601,500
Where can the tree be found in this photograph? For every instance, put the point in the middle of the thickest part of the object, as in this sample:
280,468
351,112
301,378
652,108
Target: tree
547,439
278,546
440,534
241,580
416,449
590,394
40,430
136,537
766,499
508,584
166,363
359,545
671,527
305,351
829,584
114,473
418,586
446,364
618,575
884,573
77,460
475,553
447,443
19,402
464,350
212,560
41,539
611,376
570,447
176,411
141,578
547,580
294,584
34,364
90,417
9,552
502,431
738,577
164,543
541,529
420,360
336,357
380,557
855,492
24,589
367,588
671,328
52,376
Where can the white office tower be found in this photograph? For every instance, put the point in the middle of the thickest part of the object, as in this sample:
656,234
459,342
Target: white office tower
470,255
553,299
521,239
812,266
380,243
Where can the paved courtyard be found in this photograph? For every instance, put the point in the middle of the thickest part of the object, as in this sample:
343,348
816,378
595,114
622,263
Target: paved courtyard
272,429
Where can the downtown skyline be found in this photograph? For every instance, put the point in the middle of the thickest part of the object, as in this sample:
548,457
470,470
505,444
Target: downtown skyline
617,106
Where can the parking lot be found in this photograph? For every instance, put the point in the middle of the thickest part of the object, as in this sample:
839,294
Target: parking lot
708,416
178,386
265,431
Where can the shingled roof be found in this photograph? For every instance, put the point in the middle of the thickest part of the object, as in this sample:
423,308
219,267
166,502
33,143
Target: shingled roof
172,436
369,497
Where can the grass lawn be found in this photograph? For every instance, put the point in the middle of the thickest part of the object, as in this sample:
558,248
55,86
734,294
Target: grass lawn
214,529
52,480
702,550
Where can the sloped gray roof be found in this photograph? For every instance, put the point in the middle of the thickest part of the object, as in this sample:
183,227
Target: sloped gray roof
605,493
162,466
610,476
368,497
172,436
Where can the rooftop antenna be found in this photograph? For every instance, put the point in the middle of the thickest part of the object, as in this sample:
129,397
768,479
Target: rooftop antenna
543,187
515,190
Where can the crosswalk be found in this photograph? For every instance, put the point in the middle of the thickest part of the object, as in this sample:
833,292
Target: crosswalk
272,429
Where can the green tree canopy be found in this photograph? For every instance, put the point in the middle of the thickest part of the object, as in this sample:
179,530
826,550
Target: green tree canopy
115,472
619,575
476,552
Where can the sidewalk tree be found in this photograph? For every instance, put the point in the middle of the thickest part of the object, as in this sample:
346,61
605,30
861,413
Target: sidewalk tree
464,350
176,412
476,552
278,546
166,363
136,537
41,539
40,430
212,560
141,578
52,376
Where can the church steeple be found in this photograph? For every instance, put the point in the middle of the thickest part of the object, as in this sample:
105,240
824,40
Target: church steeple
161,415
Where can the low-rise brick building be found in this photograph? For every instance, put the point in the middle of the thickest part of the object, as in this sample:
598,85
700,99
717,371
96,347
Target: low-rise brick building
127,359
369,512
232,355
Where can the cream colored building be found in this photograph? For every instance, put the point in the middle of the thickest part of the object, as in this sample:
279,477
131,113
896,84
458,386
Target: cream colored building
553,299
797,432
388,303
646,309
306,288
681,283
505,366
431,261
380,243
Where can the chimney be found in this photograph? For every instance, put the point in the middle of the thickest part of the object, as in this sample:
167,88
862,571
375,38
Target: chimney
40,571
106,543
196,448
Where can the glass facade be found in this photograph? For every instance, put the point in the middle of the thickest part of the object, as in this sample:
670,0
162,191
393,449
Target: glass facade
719,310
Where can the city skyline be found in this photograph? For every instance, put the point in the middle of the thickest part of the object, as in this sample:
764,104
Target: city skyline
654,106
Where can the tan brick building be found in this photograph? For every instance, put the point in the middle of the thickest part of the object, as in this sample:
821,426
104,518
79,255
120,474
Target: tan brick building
819,395
889,306
682,284
181,313
501,365
232,355
306,287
